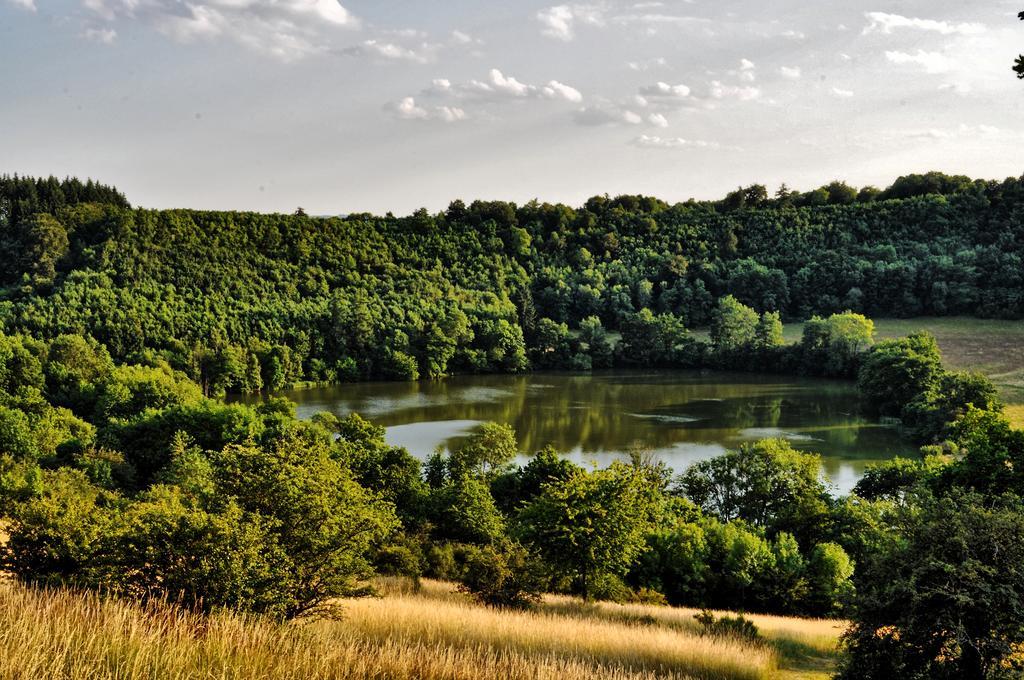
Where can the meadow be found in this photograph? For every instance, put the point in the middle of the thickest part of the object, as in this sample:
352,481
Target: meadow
431,632
994,347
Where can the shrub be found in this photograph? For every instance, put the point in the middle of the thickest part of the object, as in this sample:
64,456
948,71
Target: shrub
727,626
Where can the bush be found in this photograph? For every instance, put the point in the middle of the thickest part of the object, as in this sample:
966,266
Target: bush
727,626
506,576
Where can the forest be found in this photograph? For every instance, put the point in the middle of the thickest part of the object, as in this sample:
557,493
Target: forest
122,471
243,301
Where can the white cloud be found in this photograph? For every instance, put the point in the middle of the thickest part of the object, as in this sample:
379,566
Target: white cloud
287,29
647,64
500,85
790,73
881,22
961,131
744,93
664,91
30,5
655,142
498,82
105,36
557,90
408,109
841,93
604,113
959,88
460,38
657,120
931,62
746,65
391,51
559,22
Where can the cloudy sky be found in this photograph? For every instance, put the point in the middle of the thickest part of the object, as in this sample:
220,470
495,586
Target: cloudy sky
381,105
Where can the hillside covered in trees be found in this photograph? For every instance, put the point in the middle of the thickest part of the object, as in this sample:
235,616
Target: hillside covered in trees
244,301
120,473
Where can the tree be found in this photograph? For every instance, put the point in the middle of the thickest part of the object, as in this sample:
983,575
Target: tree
486,454
503,576
834,346
594,341
1018,66
947,601
895,372
322,521
733,324
768,484
590,524
768,334
40,243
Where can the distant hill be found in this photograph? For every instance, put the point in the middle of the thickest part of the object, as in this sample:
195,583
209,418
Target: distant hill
242,300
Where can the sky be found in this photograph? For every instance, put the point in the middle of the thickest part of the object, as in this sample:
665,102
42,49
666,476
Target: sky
393,105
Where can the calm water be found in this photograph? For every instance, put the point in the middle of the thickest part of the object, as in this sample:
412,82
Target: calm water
683,416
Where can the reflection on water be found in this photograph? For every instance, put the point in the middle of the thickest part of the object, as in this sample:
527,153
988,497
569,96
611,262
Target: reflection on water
683,416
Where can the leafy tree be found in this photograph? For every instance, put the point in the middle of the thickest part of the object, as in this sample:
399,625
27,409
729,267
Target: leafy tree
733,325
895,372
485,454
594,342
590,524
514,488
321,520
768,484
948,600
835,346
768,333
504,576
463,510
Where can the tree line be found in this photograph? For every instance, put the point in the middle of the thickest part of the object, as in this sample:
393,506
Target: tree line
242,302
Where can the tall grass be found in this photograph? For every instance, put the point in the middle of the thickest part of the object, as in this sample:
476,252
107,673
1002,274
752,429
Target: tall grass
432,634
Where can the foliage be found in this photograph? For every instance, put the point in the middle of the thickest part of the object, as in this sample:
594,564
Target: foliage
241,302
727,626
590,523
948,600
503,576
768,484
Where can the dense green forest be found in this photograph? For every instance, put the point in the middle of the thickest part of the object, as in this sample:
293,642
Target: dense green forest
244,301
119,472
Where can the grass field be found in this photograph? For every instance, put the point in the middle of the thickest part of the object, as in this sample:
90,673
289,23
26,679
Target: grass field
432,633
993,347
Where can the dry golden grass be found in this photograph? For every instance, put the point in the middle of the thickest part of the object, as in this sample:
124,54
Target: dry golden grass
804,648
456,622
436,635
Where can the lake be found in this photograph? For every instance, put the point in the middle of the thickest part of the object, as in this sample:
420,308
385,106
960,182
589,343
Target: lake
681,416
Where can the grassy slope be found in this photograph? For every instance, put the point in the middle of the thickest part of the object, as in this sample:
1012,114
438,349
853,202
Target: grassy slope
993,347
431,634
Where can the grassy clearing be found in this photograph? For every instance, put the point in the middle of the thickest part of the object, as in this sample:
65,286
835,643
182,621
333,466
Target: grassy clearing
431,634
802,648
991,346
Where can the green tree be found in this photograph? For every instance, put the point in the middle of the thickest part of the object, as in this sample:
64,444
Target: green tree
591,524
947,601
733,325
895,372
768,333
768,484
